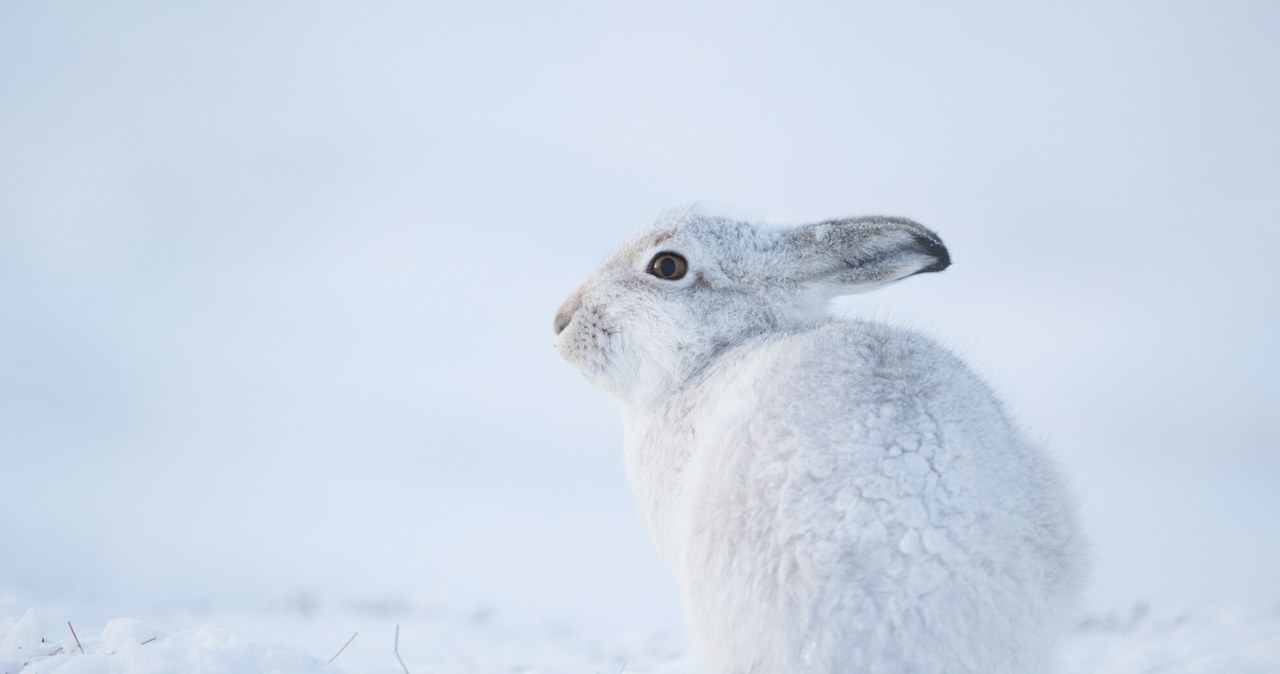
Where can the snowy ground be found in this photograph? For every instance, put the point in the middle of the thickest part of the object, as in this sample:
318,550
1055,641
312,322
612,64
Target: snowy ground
303,638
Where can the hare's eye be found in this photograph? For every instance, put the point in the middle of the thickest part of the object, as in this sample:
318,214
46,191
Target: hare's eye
668,266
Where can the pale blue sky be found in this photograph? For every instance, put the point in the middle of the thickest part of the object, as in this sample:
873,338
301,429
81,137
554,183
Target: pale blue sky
276,279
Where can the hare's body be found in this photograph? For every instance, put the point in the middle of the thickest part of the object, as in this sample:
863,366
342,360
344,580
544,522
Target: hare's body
837,499
834,496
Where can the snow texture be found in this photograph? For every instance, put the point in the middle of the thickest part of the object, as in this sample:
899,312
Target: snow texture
127,645
1230,642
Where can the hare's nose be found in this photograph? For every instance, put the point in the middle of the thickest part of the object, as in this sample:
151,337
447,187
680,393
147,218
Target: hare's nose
562,322
565,315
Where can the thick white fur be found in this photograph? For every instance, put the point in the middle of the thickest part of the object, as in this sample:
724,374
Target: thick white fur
835,496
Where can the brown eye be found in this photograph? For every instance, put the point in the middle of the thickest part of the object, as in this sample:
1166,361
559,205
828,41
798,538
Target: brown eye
668,266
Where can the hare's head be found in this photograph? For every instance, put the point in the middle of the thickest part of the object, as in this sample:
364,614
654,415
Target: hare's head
669,302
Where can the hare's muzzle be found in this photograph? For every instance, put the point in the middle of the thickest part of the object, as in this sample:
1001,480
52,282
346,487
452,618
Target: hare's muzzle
565,315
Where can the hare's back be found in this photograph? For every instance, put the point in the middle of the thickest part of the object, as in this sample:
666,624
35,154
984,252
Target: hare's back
886,446
887,413
840,382
913,493
875,427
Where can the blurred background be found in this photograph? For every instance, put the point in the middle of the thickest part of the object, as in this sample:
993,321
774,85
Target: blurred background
277,279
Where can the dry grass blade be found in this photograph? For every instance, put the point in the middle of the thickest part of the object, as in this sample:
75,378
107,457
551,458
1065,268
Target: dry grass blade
73,636
344,647
397,650
147,641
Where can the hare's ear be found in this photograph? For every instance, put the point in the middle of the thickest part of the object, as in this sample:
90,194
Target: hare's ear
859,254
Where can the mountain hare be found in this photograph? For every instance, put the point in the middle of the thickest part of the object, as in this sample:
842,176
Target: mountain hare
835,496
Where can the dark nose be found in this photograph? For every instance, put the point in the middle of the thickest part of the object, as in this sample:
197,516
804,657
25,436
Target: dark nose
562,322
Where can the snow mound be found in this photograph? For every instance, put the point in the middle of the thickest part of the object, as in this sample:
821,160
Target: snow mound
1229,642
27,644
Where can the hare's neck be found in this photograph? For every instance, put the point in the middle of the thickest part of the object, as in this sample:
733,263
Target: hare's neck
659,442
662,443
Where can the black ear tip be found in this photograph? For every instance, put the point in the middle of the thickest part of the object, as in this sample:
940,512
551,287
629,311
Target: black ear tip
933,247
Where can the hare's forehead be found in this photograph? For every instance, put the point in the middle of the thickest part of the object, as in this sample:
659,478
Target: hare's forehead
714,238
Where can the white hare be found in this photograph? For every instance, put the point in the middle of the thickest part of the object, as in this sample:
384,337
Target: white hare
835,496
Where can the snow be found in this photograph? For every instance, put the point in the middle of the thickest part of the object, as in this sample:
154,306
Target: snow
127,645
1233,641
1225,642
428,641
